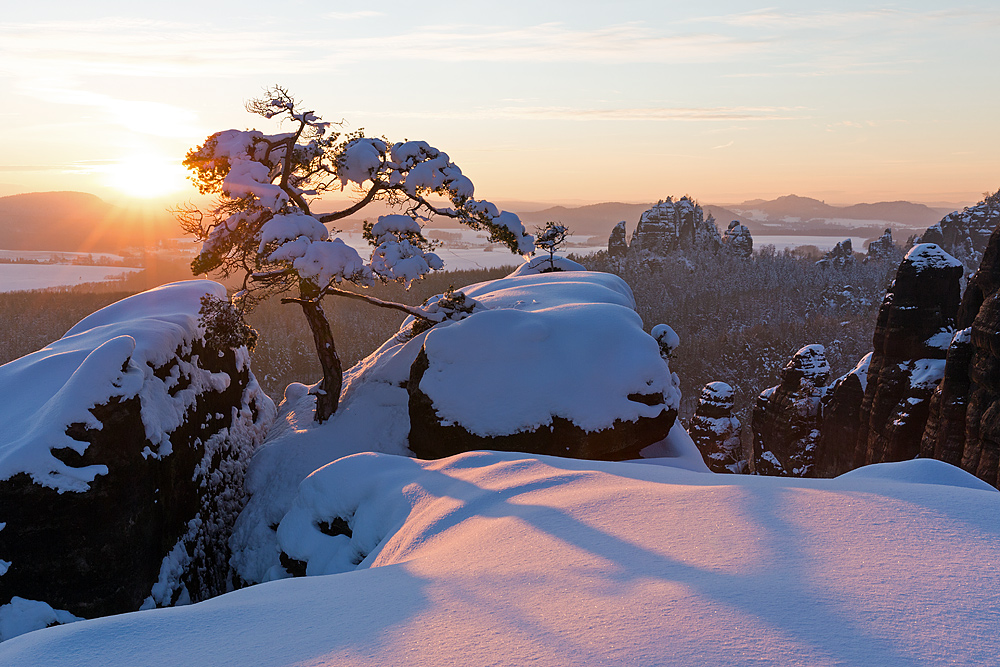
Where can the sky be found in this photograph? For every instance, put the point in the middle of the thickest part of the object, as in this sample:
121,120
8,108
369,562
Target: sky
556,102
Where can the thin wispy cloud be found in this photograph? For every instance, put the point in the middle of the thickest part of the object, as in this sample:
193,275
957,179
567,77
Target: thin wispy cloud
715,148
661,114
353,16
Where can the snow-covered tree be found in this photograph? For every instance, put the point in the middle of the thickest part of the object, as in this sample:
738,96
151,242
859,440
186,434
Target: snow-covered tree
262,229
549,238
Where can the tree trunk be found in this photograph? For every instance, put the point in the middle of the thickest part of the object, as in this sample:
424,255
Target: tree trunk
328,394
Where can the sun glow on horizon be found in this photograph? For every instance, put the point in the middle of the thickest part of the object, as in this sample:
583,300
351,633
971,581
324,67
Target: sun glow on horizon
144,176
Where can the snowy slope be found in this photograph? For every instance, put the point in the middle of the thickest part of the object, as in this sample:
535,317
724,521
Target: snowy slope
496,559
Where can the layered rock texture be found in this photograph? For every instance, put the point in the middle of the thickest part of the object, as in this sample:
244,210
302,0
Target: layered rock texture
716,431
618,242
964,423
839,256
786,417
914,328
883,249
964,234
122,455
673,225
840,412
737,240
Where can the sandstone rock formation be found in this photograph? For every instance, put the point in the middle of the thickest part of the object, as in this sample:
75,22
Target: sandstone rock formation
617,242
883,248
839,256
785,417
716,431
963,427
964,234
914,328
737,240
840,421
673,225
122,454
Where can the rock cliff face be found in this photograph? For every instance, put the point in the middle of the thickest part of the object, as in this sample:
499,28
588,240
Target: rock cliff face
840,256
716,431
617,242
883,248
963,427
672,225
965,234
840,421
914,329
785,418
737,240
122,458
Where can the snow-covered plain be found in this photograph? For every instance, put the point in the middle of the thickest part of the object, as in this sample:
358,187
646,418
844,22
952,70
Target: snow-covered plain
502,559
20,277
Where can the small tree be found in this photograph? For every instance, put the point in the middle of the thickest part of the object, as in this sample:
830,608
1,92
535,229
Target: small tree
261,227
549,238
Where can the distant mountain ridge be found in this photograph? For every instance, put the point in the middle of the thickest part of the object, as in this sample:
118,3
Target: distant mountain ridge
78,222
787,214
803,209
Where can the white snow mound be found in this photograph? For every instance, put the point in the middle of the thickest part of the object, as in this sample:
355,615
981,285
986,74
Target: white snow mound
494,558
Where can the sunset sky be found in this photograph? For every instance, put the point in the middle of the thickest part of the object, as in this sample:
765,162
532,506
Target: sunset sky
553,102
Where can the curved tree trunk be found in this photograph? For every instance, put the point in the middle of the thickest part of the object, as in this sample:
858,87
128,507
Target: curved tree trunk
328,394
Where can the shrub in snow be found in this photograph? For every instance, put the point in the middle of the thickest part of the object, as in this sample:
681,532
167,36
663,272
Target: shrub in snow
123,447
263,230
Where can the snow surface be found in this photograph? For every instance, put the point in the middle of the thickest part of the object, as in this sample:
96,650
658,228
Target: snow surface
501,559
21,277
930,256
565,343
109,353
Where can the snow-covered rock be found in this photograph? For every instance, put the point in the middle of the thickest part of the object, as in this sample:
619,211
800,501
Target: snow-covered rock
716,431
497,558
737,240
555,358
786,417
839,256
122,452
915,326
557,363
965,234
672,225
618,242
883,249
962,427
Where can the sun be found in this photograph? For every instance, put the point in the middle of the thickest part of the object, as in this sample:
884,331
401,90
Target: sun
146,176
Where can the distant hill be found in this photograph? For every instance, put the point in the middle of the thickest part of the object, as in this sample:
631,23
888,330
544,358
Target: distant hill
78,222
792,208
790,214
